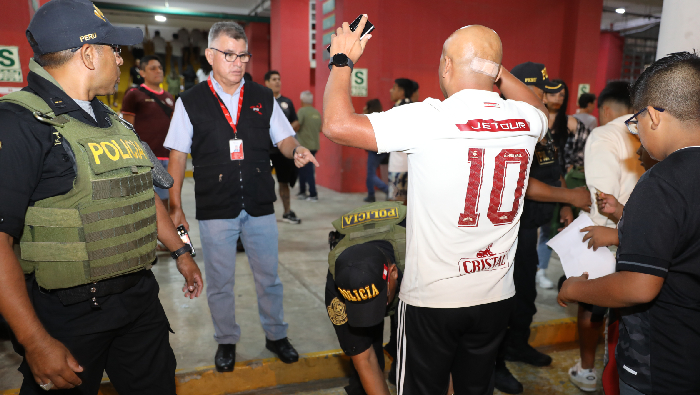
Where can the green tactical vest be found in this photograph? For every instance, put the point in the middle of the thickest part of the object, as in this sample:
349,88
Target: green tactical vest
106,225
375,221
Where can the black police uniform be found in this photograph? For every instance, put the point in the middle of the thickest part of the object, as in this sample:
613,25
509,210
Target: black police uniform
545,167
356,340
128,335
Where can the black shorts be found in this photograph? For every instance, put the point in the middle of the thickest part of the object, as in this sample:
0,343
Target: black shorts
597,312
436,342
285,169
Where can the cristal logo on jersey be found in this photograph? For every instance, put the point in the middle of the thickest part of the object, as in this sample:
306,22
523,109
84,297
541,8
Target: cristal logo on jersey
491,105
486,260
257,108
489,125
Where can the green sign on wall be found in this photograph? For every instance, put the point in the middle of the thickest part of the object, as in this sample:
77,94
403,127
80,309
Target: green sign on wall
328,6
358,84
10,68
329,23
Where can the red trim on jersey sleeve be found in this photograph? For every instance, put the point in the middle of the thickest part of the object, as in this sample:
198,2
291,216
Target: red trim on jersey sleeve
149,89
489,125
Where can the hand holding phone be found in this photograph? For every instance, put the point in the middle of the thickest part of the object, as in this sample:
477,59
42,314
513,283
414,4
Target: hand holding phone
353,26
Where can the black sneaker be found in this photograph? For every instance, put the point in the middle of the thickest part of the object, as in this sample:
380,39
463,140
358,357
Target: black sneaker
312,199
291,218
527,354
505,382
301,196
369,199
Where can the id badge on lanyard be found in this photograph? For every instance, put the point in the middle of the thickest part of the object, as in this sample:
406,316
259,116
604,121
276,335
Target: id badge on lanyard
235,145
236,148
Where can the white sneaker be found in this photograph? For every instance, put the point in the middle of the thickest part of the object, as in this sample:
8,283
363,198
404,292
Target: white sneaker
584,379
543,281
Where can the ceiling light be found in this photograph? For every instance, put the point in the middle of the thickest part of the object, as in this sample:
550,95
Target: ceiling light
160,18
620,10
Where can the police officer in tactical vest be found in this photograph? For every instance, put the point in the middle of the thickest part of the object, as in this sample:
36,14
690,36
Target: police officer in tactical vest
78,208
366,264
228,124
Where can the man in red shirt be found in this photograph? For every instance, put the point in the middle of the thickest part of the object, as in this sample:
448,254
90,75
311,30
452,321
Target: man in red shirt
149,109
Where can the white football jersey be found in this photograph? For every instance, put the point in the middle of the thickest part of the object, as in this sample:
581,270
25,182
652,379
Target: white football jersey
468,165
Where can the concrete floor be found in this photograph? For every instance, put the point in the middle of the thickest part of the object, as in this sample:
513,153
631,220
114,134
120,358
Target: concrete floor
303,251
551,380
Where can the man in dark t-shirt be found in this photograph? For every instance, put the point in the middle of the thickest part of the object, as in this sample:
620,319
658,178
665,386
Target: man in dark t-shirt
285,169
657,279
149,109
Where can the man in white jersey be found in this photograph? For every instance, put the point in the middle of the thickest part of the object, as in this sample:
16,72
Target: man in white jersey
462,227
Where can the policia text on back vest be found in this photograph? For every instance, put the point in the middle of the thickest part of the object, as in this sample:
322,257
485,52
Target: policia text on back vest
106,225
375,221
224,187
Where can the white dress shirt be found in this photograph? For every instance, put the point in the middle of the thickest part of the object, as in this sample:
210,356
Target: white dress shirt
180,132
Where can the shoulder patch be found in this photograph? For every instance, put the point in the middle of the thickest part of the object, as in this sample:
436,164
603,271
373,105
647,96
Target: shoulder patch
336,312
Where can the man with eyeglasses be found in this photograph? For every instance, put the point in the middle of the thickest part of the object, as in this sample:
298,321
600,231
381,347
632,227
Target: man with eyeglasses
78,207
227,125
657,278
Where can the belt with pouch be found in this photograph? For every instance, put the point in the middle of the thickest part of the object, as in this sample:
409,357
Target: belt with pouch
92,291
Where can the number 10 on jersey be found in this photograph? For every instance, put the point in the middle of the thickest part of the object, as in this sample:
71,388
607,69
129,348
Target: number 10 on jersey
475,156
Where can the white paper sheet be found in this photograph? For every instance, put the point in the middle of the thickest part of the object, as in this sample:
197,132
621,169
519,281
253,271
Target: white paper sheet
576,258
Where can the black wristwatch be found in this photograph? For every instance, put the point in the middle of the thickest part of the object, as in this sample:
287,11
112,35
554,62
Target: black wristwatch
184,249
340,60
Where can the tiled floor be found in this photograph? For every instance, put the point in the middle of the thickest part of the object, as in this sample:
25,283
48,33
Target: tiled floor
302,268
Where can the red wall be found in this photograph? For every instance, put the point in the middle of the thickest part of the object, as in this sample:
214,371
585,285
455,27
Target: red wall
259,45
12,33
407,42
609,58
289,43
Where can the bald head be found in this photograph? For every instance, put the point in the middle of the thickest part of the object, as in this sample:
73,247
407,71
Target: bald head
458,67
473,41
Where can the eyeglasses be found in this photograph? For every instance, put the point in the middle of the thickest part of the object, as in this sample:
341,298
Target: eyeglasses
115,48
632,122
231,57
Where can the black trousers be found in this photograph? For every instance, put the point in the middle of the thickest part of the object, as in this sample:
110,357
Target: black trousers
432,343
136,353
524,274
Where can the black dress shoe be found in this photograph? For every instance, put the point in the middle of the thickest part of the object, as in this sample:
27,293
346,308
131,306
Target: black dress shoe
283,349
505,382
526,353
225,357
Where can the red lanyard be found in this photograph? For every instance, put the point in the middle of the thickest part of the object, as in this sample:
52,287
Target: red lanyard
225,110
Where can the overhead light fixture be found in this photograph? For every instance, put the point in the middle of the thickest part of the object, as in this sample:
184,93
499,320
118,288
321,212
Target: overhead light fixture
161,18
620,10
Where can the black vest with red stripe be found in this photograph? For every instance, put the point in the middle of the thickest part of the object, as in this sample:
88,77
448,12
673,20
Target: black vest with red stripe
223,187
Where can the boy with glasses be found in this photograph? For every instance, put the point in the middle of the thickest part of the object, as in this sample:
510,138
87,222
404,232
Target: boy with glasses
658,276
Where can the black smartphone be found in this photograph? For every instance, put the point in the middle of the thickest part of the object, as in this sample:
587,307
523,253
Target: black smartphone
368,28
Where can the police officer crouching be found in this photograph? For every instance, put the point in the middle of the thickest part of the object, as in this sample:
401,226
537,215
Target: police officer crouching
365,269
78,208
